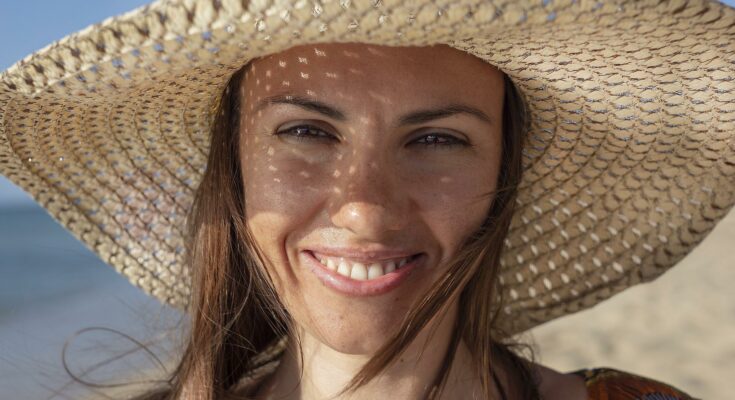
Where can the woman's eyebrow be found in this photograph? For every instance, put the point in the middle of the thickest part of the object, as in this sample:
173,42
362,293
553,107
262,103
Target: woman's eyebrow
303,102
422,116
412,118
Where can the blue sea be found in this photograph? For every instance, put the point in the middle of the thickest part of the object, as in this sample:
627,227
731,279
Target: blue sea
53,289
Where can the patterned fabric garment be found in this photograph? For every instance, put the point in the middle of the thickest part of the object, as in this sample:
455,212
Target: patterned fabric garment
611,384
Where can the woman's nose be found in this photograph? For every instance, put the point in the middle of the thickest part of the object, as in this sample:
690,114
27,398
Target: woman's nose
369,201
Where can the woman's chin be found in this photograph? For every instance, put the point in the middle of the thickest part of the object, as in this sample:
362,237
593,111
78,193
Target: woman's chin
350,325
355,336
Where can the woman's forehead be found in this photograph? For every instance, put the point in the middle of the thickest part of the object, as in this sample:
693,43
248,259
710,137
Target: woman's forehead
384,75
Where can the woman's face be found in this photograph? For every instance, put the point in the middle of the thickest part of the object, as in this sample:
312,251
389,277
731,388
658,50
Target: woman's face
365,157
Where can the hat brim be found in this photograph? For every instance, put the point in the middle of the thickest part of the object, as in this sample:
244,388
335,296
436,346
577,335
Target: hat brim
630,160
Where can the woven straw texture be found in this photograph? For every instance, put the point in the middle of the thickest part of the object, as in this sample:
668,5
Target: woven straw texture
630,160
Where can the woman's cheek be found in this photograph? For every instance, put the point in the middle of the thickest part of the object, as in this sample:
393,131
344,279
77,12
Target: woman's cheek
288,183
281,198
454,205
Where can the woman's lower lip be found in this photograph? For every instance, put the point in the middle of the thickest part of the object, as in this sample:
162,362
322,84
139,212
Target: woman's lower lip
354,287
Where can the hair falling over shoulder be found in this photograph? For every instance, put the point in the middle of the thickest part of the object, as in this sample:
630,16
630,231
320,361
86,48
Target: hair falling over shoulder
236,314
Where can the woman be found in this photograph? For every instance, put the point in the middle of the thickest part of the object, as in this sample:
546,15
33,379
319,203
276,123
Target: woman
377,221
357,191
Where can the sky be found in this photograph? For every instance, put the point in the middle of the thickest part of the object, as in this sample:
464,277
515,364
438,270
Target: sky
40,22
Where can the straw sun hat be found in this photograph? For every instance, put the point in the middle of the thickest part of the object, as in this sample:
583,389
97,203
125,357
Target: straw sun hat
630,159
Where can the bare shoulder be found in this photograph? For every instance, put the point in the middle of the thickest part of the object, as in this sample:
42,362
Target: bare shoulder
557,386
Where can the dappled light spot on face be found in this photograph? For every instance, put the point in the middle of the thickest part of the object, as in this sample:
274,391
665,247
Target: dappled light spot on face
285,83
331,75
305,75
303,60
376,52
445,179
379,97
272,168
336,173
320,53
271,150
305,174
282,64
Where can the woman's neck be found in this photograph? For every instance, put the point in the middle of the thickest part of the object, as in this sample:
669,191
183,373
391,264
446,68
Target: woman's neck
326,371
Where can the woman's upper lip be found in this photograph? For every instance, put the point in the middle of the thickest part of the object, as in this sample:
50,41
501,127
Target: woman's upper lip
362,253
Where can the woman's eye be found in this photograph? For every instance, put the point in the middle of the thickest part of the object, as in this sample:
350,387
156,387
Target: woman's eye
306,132
440,140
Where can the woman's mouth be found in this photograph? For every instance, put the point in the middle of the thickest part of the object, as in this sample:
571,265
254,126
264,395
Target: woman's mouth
356,278
362,271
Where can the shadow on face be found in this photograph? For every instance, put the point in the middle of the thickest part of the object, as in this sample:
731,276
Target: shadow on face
361,147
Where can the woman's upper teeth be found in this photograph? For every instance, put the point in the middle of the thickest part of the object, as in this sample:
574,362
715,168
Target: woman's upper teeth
359,270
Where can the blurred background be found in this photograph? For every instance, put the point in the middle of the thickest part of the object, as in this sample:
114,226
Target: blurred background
679,329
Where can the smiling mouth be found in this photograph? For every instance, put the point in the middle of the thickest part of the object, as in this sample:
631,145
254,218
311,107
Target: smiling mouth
363,271
354,278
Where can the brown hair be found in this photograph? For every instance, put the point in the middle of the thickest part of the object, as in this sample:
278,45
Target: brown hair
236,313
